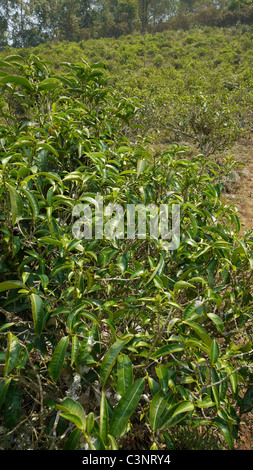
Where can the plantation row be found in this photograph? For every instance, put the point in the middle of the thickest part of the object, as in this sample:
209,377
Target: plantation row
105,339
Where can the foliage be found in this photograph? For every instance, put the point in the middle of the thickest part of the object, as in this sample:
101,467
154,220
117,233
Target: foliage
150,336
194,86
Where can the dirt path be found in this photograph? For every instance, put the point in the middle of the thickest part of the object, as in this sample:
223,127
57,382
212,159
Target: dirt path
241,192
242,196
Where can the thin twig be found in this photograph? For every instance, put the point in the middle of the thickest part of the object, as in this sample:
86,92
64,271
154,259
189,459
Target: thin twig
54,430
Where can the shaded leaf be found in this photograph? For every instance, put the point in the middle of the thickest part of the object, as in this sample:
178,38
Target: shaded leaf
12,407
17,80
166,350
157,407
39,317
3,390
104,420
12,353
16,204
73,440
110,358
8,285
126,407
73,411
215,352
124,373
56,363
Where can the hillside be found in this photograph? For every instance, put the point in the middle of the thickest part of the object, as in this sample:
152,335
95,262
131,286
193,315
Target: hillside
170,72
169,77
125,340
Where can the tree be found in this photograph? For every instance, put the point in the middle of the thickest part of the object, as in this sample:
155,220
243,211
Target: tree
144,13
3,32
187,6
105,17
24,21
68,21
161,10
45,13
87,14
117,17
127,12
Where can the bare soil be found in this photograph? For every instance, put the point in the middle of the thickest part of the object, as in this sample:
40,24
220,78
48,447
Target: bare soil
241,192
242,196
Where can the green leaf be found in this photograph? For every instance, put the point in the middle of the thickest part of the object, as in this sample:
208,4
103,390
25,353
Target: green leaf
60,268
74,419
200,332
124,373
73,411
6,326
90,316
16,204
246,403
12,353
48,85
17,80
183,285
153,385
113,443
158,270
4,63
190,310
3,390
39,317
104,420
168,417
163,375
157,407
9,285
170,445
33,202
126,407
215,388
73,440
207,402
48,147
215,352
109,360
224,428
16,245
15,57
167,350
233,378
137,273
183,407
56,363
90,421
196,343
194,224
140,166
217,321
12,407
158,282
50,241
74,349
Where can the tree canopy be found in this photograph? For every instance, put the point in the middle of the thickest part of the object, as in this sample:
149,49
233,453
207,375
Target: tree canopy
25,23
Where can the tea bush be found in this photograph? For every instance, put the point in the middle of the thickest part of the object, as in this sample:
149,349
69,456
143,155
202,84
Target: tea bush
102,336
181,79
